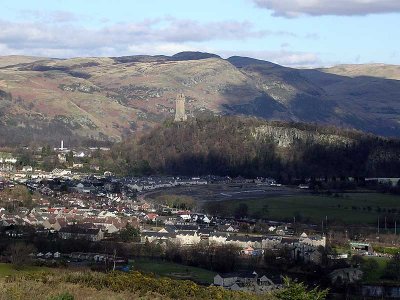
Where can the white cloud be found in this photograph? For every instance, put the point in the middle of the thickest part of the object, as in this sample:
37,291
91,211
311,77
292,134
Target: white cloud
152,36
70,38
295,8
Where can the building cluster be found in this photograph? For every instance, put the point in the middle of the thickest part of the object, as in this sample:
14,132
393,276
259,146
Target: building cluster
91,223
80,206
304,247
7,162
246,282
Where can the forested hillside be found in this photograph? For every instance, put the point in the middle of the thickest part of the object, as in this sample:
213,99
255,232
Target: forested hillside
253,147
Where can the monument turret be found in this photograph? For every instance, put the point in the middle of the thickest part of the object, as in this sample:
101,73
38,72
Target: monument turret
180,113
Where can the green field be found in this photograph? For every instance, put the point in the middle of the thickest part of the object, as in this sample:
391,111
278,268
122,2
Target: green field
173,270
375,275
350,208
8,269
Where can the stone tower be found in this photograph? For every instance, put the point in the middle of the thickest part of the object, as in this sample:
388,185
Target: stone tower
180,114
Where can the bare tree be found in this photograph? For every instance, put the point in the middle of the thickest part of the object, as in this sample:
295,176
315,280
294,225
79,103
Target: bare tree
19,254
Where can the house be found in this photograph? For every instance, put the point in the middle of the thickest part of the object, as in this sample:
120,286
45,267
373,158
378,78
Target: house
360,247
218,237
151,217
245,241
185,215
61,172
200,218
27,169
248,282
228,228
228,279
187,238
53,224
79,154
271,241
77,232
314,241
160,237
185,226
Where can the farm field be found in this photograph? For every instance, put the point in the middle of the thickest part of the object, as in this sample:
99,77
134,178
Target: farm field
173,270
348,208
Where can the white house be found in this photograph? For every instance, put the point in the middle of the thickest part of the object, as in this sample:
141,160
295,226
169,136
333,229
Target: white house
187,237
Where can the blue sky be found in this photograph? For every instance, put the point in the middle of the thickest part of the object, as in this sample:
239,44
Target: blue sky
288,32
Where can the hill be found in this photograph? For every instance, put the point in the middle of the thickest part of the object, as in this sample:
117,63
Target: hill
371,70
254,147
107,98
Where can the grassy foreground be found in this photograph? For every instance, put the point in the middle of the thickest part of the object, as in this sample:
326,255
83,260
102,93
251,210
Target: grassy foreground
82,285
110,286
351,208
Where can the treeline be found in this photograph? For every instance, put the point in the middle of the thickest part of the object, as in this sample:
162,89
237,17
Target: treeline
228,146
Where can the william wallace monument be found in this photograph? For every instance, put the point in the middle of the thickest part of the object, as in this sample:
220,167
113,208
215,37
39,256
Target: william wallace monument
180,114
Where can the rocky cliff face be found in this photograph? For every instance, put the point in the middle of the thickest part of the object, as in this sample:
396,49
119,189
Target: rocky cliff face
285,137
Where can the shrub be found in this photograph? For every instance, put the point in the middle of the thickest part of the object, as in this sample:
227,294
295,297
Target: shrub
63,296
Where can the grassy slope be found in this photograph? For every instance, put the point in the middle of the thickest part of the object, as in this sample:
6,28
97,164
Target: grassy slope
28,289
111,286
173,270
317,207
375,275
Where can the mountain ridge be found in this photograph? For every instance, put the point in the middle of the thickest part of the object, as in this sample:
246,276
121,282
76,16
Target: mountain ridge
107,98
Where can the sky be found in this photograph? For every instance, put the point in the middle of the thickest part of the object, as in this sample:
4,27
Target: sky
298,33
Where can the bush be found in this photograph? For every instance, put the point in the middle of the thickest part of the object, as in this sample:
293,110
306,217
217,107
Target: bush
63,296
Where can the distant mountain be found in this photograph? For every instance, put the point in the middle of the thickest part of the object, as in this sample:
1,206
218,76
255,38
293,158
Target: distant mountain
45,99
371,70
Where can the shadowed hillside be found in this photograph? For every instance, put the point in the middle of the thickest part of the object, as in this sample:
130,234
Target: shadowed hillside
253,147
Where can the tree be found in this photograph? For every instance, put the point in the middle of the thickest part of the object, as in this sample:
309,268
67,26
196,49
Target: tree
70,157
369,265
129,233
19,254
357,260
393,268
298,291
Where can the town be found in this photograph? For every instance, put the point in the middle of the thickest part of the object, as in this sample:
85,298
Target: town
103,209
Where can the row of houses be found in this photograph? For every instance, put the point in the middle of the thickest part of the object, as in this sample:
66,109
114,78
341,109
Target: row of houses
302,248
